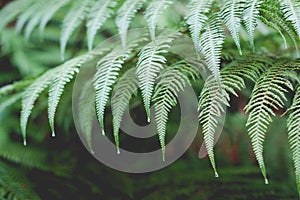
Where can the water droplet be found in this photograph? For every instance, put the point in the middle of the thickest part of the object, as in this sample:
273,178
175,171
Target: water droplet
266,181
92,152
25,142
103,132
53,134
216,175
118,151
148,119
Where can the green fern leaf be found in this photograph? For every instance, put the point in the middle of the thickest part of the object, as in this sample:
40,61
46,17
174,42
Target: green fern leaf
125,15
211,43
231,14
268,94
108,69
150,62
86,110
154,10
293,133
53,6
291,11
12,10
197,18
123,91
97,16
30,95
72,20
63,75
250,17
172,80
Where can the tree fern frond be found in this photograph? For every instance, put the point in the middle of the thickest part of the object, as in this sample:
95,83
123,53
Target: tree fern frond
231,14
53,7
12,10
30,95
172,80
293,127
250,17
107,71
149,64
197,18
213,100
211,44
123,91
154,10
291,11
268,94
72,20
63,75
86,110
125,15
27,15
97,16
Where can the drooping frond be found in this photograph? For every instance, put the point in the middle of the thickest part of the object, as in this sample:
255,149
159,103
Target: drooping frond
86,110
293,126
122,94
63,75
268,95
108,69
212,104
232,14
250,17
30,95
211,44
72,20
12,10
149,64
97,16
125,15
154,10
197,18
291,11
172,80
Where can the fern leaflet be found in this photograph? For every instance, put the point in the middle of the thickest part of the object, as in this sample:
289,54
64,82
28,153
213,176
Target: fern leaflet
291,11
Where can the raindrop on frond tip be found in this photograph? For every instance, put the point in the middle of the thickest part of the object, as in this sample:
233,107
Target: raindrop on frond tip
24,142
148,119
118,151
103,132
266,181
92,152
216,175
53,134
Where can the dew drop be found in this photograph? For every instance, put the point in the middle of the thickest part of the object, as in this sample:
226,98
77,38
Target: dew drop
216,175
118,151
53,134
92,152
25,142
266,181
103,132
148,119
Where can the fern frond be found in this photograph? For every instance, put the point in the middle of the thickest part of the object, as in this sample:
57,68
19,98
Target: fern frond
53,7
197,18
86,110
250,17
125,15
154,10
108,69
63,75
12,10
232,14
172,80
30,95
97,16
291,12
293,126
268,95
211,44
149,64
72,20
123,91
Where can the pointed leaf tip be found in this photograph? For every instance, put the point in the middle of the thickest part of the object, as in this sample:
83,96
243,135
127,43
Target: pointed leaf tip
148,119
216,175
25,142
118,151
266,181
53,134
103,132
